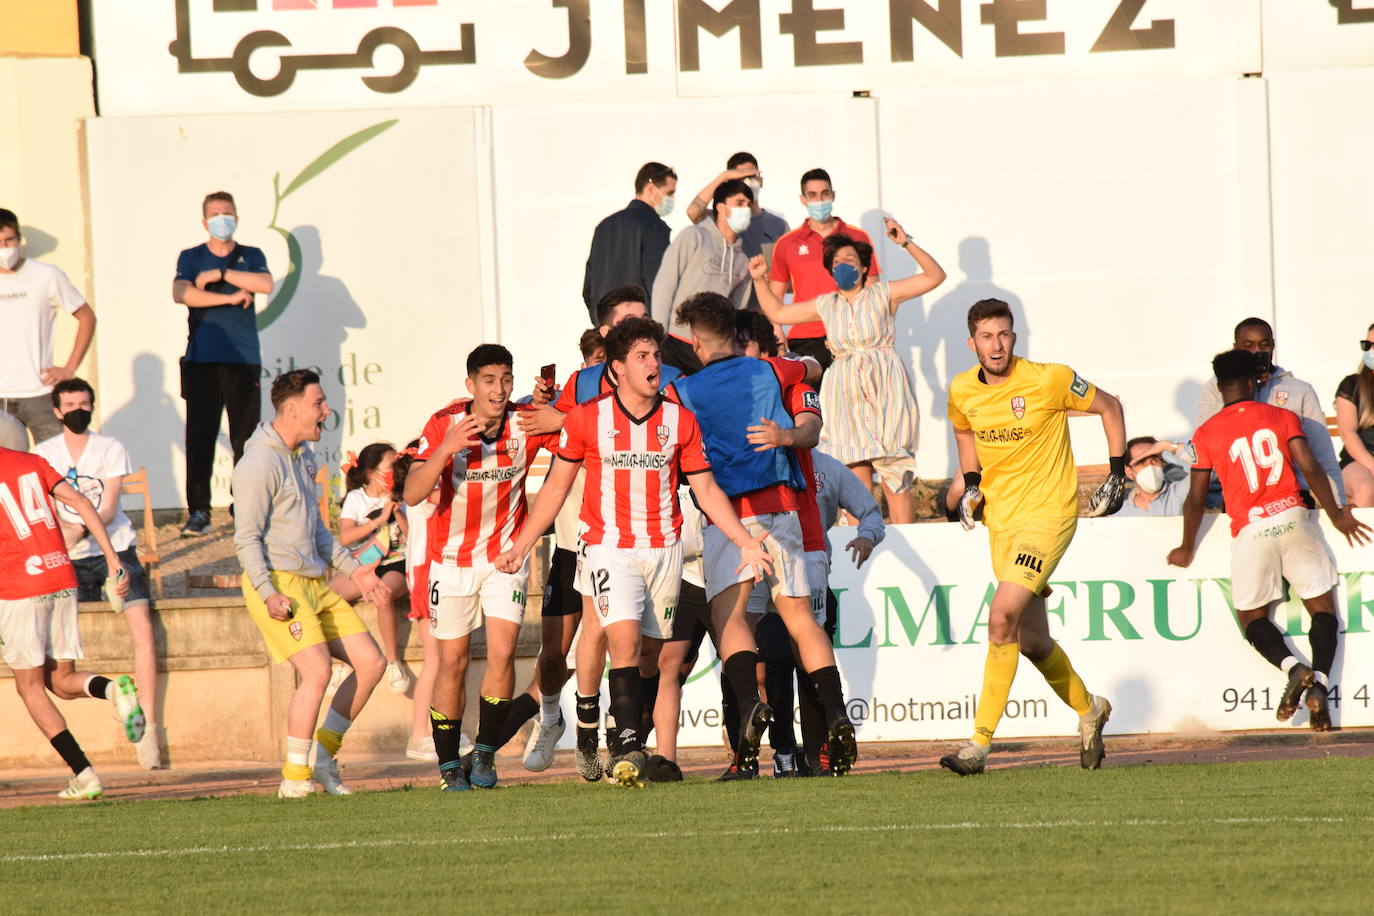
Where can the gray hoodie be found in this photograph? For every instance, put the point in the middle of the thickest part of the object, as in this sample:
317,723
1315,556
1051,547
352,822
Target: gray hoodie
277,524
699,260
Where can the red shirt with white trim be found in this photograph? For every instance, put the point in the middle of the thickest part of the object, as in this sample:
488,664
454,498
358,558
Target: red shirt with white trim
1247,445
797,262
481,505
805,400
632,466
33,555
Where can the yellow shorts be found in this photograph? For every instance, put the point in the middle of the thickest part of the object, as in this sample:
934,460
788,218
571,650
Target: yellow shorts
1028,554
320,615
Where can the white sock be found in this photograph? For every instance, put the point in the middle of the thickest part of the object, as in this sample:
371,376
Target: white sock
86,775
298,750
549,709
1288,664
1321,678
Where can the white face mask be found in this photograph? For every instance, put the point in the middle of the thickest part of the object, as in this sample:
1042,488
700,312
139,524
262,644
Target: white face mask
1150,478
738,220
9,257
756,186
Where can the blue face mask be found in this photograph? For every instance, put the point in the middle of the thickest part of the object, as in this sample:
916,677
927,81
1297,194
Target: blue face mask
222,227
1368,358
819,210
846,276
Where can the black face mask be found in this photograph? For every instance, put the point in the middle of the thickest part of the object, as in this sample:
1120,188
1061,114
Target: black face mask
78,421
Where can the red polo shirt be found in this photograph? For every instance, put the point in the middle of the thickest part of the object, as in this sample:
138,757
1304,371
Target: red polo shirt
797,262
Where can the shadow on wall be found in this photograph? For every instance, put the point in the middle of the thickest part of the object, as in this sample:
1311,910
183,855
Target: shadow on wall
37,243
1185,401
150,425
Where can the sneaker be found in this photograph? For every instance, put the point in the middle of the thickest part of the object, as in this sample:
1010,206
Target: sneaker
326,773
785,765
747,755
451,779
338,673
1300,677
1091,751
295,788
398,678
587,759
149,749
661,769
422,749
840,746
738,772
127,710
543,740
968,761
84,785
197,523
1316,706
626,770
482,773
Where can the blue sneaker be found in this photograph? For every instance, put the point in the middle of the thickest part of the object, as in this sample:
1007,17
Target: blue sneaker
483,774
451,779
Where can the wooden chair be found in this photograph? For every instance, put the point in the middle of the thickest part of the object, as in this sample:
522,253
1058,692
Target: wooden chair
136,484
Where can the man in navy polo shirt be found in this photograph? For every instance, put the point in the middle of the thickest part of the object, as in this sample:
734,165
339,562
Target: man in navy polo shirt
220,372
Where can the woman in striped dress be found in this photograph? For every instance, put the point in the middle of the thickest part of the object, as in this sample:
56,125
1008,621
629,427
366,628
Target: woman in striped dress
871,417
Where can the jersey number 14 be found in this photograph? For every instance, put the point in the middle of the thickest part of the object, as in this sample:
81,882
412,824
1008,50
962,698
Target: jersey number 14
1259,452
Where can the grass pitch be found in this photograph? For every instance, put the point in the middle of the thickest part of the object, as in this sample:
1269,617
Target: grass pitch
1251,837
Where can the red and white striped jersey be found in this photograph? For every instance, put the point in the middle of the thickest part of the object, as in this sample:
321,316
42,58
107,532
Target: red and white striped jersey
481,504
632,465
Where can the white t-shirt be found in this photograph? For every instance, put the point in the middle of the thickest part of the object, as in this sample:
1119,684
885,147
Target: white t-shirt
356,507
29,300
103,458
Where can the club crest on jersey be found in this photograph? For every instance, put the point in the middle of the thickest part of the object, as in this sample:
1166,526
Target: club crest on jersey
603,604
662,433
1018,406
1280,398
296,630
512,448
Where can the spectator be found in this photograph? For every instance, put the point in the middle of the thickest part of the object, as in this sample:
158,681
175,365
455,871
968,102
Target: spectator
765,226
1160,475
1280,388
705,258
797,262
1355,423
871,416
216,281
627,246
32,292
96,466
593,346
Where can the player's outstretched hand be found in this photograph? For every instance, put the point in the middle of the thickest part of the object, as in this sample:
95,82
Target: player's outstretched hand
969,504
544,391
753,556
1181,557
859,550
758,267
1109,497
768,435
541,421
365,577
1356,532
509,562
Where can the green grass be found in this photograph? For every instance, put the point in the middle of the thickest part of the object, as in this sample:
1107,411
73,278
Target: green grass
1283,836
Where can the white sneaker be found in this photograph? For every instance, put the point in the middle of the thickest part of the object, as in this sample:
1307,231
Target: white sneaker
422,749
1091,751
543,740
83,785
326,773
295,788
464,744
149,749
397,678
127,709
337,676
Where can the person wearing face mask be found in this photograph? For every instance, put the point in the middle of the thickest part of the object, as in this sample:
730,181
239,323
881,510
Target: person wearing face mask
217,281
1355,423
1159,471
705,258
32,292
871,415
627,246
96,466
765,226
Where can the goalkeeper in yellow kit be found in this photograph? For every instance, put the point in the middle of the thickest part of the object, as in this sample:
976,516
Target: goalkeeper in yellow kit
1010,420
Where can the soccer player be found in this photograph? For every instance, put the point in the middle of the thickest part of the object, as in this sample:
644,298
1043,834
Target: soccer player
750,435
285,550
1254,449
634,444
479,457
38,627
1010,419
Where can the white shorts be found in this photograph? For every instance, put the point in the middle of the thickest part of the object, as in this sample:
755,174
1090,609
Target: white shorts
461,597
1284,546
636,583
784,545
817,580
35,629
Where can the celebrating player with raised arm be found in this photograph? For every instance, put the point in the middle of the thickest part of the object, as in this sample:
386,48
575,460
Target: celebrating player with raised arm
1254,449
1010,419
634,444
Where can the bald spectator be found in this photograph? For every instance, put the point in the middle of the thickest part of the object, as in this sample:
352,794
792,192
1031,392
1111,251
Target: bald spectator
628,245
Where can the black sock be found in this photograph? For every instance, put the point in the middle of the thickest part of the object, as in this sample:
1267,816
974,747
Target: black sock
589,711
813,725
447,734
97,686
627,708
777,682
827,682
729,712
521,710
1322,637
491,715
649,687
741,671
71,752
1267,640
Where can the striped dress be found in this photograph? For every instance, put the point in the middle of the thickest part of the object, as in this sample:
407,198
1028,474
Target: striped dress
870,413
